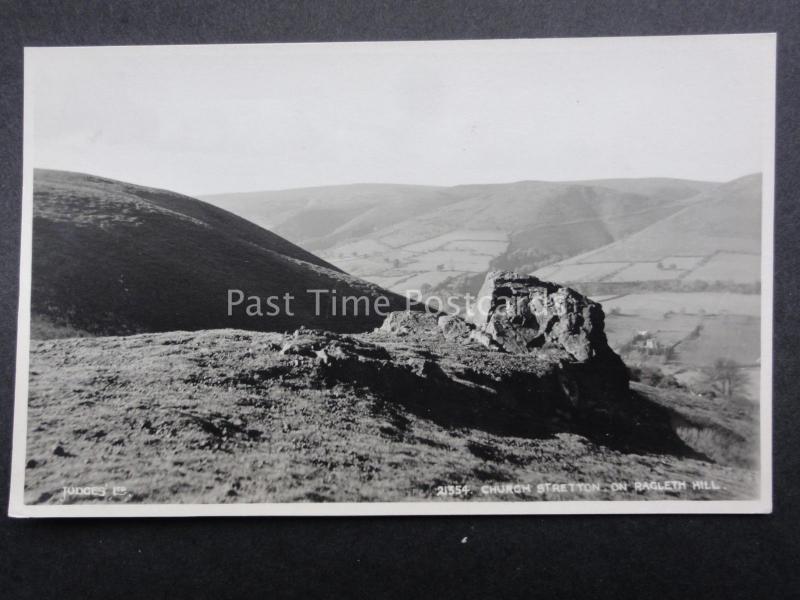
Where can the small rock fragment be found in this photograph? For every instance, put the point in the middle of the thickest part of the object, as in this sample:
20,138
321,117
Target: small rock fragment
406,322
454,328
58,450
480,337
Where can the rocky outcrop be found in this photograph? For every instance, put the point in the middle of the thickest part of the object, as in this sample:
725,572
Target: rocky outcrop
517,314
521,313
454,328
404,322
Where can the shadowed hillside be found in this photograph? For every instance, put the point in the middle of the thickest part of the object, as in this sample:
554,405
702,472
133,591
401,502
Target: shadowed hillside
115,258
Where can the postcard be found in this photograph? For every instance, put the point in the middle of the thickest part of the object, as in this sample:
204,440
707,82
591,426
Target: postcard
445,277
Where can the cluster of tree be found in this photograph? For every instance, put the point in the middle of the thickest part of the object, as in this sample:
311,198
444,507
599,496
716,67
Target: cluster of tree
725,378
525,259
653,376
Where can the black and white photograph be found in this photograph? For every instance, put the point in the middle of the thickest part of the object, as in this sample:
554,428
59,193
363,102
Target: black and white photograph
526,276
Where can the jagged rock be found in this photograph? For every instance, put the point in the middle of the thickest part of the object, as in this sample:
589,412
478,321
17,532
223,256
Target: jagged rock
58,450
454,328
483,338
328,347
404,322
331,353
521,313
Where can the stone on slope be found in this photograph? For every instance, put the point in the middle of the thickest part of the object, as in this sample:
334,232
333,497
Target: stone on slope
454,328
405,322
521,313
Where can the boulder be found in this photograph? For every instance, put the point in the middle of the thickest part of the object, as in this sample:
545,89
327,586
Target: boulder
454,328
484,339
406,322
521,313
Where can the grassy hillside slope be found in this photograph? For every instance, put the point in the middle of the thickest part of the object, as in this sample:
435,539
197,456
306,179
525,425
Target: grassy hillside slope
320,217
714,239
115,258
724,219
235,416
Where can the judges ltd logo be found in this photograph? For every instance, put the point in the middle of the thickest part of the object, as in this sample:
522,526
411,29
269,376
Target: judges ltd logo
106,492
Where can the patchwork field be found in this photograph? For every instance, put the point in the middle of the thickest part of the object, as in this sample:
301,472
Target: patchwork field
718,267
729,266
683,263
581,271
655,305
421,264
688,332
731,336
644,271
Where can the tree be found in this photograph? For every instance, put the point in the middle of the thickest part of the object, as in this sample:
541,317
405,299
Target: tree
671,353
726,377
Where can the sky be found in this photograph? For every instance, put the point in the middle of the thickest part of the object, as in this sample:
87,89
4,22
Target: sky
227,118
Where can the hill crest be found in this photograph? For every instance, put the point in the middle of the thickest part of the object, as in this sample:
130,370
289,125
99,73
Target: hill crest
116,258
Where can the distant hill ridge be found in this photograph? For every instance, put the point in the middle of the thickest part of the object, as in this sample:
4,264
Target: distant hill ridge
354,209
714,239
404,236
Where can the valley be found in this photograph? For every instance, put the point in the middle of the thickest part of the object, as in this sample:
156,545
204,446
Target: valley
676,263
